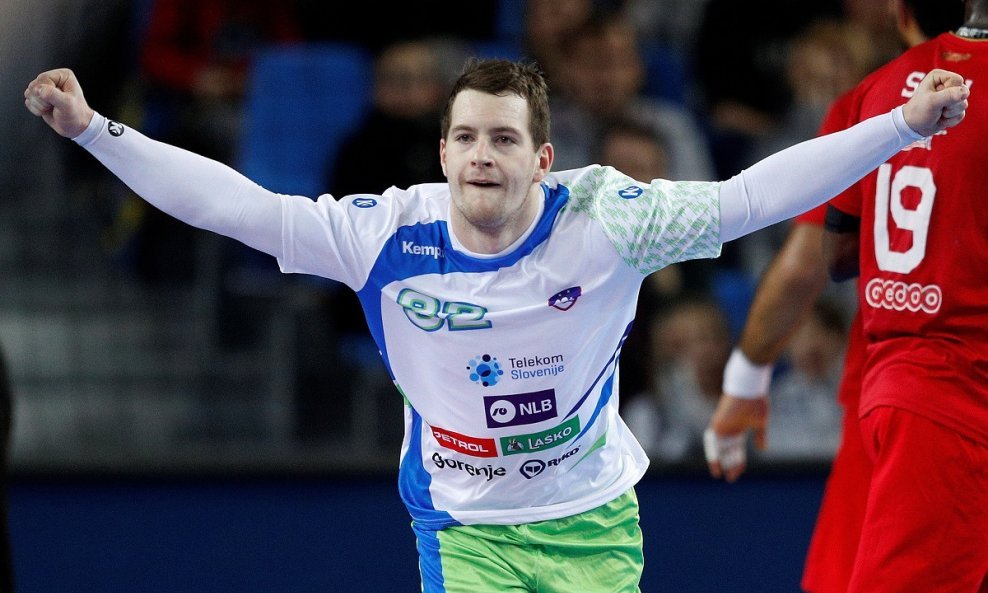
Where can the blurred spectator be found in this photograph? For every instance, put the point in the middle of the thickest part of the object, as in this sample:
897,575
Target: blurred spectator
195,62
548,26
690,345
602,81
374,25
410,91
805,422
740,68
673,23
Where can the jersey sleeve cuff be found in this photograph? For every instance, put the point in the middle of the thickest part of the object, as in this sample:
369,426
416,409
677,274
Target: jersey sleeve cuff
905,132
96,126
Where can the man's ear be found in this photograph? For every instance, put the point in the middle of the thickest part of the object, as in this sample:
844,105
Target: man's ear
544,163
442,155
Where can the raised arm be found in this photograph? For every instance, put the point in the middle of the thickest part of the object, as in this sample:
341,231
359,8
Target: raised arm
800,177
196,190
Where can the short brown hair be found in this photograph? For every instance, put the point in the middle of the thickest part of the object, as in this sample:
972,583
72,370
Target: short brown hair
502,77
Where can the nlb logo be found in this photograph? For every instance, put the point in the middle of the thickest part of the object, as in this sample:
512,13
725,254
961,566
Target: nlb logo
485,472
521,408
534,467
539,441
899,296
462,443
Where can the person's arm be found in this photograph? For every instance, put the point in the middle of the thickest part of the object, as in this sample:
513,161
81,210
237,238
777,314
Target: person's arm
802,176
841,244
196,190
787,291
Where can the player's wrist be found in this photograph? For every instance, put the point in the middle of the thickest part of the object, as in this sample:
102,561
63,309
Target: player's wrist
93,128
745,379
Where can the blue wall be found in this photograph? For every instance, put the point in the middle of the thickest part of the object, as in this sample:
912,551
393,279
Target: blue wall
271,535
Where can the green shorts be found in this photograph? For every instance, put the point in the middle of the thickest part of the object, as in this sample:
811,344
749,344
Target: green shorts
593,552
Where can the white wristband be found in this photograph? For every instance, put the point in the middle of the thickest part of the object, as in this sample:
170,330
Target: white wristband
745,379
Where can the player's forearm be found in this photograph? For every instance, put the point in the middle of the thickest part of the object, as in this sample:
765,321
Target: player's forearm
785,294
805,175
196,190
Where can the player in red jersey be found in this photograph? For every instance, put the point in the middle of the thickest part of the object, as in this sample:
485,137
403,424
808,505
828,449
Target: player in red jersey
787,291
917,235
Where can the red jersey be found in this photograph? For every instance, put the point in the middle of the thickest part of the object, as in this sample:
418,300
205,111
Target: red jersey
923,283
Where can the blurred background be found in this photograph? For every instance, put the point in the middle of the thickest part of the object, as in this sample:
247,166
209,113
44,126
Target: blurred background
187,418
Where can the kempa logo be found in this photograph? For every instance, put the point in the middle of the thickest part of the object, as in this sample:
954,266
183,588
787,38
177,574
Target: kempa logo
115,128
364,202
430,250
534,467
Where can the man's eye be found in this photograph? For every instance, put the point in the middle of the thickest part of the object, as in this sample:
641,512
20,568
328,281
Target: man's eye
505,140
464,138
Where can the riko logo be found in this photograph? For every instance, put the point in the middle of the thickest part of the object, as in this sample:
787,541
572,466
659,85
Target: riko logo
115,128
485,369
534,467
631,192
364,202
564,299
521,408
462,443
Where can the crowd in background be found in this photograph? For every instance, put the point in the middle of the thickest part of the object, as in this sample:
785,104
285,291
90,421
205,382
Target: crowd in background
675,89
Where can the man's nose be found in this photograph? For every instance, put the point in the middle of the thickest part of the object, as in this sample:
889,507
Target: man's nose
482,154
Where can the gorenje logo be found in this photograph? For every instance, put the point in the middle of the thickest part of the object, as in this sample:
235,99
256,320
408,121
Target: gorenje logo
539,441
521,408
468,445
487,472
534,467
430,250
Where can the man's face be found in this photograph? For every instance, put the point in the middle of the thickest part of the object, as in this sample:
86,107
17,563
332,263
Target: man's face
491,164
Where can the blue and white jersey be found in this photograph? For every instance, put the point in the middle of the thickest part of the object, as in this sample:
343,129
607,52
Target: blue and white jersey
509,363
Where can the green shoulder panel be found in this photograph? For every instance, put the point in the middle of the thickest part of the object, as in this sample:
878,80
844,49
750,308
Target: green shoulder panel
651,225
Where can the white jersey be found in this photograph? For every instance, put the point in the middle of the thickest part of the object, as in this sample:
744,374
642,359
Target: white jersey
508,363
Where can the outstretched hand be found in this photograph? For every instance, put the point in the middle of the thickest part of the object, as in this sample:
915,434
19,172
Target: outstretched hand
939,102
57,98
725,439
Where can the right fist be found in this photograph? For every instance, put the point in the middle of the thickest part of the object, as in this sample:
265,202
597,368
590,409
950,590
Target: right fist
57,98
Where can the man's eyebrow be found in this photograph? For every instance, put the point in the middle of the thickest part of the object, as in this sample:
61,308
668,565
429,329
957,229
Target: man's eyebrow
496,130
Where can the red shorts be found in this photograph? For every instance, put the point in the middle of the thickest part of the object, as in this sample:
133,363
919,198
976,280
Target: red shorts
926,522
838,526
